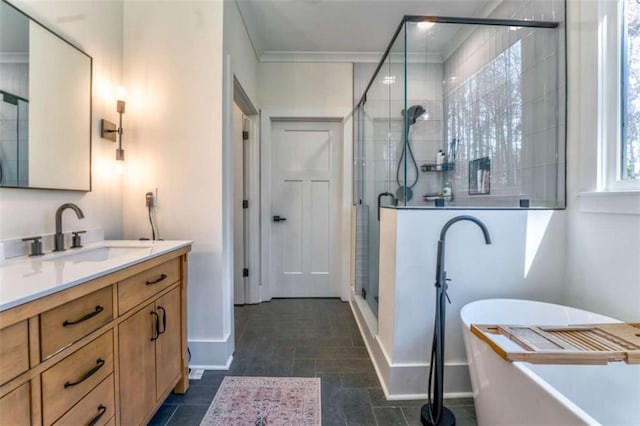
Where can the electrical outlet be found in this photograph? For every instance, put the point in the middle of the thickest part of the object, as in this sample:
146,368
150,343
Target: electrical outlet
149,199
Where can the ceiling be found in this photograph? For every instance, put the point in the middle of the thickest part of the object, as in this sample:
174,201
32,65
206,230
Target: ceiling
339,26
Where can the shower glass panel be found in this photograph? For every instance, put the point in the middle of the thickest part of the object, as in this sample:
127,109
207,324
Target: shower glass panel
14,140
460,113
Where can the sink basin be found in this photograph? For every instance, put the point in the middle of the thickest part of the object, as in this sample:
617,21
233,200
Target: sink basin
97,254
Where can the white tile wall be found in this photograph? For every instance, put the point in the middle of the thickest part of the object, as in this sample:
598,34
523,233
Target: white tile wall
539,109
384,138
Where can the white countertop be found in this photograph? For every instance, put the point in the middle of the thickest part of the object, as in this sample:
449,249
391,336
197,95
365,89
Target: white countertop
24,279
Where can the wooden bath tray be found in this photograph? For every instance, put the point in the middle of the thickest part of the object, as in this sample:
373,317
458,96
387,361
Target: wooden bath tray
574,344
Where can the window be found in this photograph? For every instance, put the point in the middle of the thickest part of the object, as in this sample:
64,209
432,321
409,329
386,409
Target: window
630,96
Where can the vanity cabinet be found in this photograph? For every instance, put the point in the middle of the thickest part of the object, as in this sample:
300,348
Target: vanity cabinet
105,352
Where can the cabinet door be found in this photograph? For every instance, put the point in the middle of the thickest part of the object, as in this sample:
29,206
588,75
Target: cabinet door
14,351
168,345
137,356
15,407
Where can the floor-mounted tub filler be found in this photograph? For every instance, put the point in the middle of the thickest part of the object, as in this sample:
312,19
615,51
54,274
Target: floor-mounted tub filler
520,393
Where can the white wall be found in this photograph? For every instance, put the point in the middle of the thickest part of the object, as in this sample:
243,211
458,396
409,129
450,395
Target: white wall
95,27
244,63
174,72
603,262
308,90
524,260
306,87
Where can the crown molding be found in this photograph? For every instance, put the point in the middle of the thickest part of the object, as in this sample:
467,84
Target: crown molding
351,57
297,56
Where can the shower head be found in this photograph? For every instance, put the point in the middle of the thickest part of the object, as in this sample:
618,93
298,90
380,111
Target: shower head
414,113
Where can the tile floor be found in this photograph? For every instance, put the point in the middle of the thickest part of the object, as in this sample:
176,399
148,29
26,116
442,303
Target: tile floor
306,338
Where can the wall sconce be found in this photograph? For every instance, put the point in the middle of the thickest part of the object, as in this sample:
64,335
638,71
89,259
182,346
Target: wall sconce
109,130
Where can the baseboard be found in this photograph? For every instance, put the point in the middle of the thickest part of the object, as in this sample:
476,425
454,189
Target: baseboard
407,381
211,354
213,367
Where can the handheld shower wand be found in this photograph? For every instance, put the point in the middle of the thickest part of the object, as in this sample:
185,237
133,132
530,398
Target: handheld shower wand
435,413
405,189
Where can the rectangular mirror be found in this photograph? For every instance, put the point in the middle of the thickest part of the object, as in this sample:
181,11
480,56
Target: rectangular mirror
45,107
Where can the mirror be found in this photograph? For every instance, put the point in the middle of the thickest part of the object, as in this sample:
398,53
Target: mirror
45,107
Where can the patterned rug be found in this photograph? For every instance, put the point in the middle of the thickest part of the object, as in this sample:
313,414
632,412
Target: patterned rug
264,401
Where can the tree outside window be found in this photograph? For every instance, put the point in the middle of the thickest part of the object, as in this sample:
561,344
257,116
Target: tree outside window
631,92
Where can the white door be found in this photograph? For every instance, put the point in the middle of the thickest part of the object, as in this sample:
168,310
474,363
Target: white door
304,201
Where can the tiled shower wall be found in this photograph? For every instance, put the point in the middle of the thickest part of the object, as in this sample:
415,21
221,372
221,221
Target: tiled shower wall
515,69
383,130
526,163
14,79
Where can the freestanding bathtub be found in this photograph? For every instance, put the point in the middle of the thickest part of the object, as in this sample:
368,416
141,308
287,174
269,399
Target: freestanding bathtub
521,393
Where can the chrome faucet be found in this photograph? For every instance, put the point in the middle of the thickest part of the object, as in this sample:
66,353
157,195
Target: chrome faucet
58,241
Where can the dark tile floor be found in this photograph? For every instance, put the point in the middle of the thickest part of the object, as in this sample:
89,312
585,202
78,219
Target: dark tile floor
306,338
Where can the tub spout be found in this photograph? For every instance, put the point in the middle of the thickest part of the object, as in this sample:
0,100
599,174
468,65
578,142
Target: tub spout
445,228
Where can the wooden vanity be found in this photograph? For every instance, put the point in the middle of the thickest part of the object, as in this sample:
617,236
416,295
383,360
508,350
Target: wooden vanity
104,352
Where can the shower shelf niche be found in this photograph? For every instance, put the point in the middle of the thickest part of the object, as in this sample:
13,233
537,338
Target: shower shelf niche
432,167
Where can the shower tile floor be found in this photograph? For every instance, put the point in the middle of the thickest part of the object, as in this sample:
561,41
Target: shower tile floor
306,338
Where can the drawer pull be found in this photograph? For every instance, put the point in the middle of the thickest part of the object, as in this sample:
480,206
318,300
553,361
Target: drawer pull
164,321
155,333
101,410
88,374
162,278
84,318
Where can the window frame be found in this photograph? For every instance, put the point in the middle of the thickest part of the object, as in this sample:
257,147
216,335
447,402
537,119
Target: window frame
611,74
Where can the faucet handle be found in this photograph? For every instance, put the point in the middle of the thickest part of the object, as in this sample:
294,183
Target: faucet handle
77,239
36,245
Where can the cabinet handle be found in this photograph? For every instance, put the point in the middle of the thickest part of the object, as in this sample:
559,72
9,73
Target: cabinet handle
101,410
162,278
88,374
90,315
155,333
164,320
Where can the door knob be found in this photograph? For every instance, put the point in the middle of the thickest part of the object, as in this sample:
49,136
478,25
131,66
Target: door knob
279,219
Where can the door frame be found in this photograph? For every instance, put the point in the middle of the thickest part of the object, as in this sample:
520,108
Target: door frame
252,185
341,256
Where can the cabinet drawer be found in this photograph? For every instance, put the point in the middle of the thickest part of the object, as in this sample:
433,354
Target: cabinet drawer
14,351
70,322
97,408
71,379
15,407
140,287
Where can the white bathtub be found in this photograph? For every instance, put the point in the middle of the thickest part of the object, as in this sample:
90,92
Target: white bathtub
520,393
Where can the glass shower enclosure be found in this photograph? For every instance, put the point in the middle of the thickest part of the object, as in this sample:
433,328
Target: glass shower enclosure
460,113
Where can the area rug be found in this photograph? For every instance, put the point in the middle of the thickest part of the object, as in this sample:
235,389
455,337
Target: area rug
265,401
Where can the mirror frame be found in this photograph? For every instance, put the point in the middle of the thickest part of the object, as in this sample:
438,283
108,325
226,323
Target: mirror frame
90,140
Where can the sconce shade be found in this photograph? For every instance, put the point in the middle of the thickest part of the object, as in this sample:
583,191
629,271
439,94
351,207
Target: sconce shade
119,154
121,107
